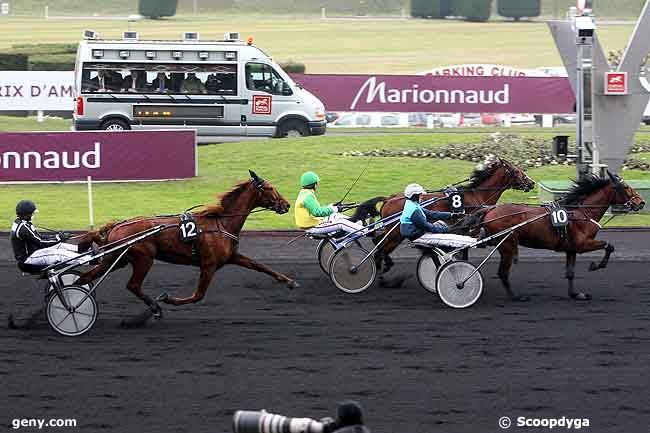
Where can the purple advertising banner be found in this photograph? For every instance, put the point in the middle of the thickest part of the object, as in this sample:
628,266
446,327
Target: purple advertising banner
106,156
430,93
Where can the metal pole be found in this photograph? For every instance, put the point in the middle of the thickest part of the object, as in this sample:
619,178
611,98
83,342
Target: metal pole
195,7
91,218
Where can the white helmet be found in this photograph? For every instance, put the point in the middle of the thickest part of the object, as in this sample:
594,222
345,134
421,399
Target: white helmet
412,190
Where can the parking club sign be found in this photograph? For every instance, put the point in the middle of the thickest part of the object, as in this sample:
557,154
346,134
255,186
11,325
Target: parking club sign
616,83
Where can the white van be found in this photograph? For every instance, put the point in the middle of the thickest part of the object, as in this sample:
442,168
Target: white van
219,88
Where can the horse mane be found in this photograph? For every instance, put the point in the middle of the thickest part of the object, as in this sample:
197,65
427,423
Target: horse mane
481,174
584,187
225,200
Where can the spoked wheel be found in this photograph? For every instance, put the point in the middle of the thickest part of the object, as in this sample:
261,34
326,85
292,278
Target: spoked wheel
346,272
325,252
455,286
73,321
427,271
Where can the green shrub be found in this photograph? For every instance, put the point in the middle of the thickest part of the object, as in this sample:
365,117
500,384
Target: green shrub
48,62
519,8
292,67
473,10
157,8
13,62
32,49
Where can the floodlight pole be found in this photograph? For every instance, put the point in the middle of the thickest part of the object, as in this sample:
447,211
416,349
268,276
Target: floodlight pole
586,152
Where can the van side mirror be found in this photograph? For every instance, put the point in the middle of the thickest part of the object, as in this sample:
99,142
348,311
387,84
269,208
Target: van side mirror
286,90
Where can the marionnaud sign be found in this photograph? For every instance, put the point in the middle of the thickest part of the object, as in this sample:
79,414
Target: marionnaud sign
36,90
106,156
432,93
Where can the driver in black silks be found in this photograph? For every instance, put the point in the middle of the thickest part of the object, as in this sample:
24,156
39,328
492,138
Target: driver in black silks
31,249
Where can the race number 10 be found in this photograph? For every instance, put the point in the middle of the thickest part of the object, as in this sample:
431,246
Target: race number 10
559,217
456,202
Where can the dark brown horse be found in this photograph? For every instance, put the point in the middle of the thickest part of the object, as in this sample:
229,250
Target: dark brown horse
484,189
216,245
585,204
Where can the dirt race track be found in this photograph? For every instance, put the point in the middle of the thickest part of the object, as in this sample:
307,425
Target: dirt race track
416,366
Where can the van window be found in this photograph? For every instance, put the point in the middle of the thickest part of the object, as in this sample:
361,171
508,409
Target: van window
159,78
262,77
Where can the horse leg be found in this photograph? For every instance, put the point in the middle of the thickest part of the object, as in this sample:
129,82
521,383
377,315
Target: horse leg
597,245
207,273
141,266
248,263
570,275
508,250
100,269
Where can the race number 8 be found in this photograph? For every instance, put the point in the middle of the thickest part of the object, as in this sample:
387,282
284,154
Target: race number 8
456,203
559,217
188,230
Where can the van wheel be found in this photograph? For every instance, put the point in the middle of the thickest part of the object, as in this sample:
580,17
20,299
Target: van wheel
293,129
115,125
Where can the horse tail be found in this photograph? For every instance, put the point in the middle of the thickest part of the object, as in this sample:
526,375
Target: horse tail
367,209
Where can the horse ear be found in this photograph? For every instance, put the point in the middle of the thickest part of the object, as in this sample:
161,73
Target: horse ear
253,175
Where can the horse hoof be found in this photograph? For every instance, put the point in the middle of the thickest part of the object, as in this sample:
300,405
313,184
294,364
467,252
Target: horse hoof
593,267
293,285
581,296
163,297
521,298
10,322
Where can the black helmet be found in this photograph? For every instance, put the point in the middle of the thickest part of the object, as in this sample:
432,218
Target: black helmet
349,413
25,207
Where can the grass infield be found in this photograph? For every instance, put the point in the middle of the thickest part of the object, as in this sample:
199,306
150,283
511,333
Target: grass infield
64,206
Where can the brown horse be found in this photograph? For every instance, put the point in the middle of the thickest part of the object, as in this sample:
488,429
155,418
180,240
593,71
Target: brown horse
215,246
484,189
586,204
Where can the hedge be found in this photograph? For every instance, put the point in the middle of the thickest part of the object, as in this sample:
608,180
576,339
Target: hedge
519,8
157,8
292,67
32,49
46,62
13,62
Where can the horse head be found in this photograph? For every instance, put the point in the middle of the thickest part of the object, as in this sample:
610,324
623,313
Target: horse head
520,180
268,196
625,194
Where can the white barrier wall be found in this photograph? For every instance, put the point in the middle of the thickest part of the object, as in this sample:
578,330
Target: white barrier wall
36,90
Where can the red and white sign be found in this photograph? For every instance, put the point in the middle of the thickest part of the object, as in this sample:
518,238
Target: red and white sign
262,104
616,83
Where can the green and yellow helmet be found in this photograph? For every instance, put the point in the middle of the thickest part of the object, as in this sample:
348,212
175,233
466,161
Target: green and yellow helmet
308,178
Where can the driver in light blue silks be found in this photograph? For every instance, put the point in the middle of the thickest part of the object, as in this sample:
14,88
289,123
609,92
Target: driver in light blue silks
414,220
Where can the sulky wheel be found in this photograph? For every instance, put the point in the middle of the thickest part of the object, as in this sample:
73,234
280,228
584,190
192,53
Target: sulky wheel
427,271
455,286
347,274
325,252
75,320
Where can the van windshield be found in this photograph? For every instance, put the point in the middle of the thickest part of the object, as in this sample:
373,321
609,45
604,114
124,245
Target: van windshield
262,77
211,79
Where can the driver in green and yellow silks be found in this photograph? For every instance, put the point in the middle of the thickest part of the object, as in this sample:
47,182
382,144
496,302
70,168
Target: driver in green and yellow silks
310,215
